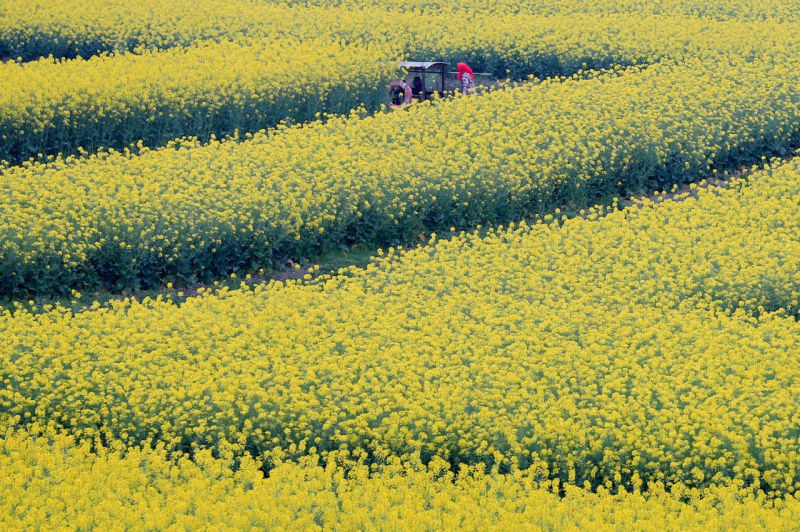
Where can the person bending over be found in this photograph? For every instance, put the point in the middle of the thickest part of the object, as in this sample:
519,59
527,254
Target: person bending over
467,78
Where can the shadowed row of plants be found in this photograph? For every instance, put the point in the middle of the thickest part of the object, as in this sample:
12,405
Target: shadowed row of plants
31,29
321,63
199,212
611,351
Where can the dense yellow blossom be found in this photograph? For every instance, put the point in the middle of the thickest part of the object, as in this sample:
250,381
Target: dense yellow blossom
112,101
716,9
655,344
627,368
32,28
132,220
48,483
48,106
532,42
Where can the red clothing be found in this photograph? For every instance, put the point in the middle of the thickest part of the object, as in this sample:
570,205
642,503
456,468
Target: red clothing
466,77
462,68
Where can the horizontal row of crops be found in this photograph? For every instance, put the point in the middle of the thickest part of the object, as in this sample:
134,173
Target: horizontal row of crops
650,346
119,221
713,9
31,29
47,106
147,489
50,106
499,41
34,28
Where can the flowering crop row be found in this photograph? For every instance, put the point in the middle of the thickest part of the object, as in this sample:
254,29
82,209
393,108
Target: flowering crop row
54,480
207,210
213,89
521,44
34,28
50,107
714,9
31,29
652,345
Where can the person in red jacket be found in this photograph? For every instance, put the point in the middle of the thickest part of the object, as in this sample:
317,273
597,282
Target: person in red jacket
467,78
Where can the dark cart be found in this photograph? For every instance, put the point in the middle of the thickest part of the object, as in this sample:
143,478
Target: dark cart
425,78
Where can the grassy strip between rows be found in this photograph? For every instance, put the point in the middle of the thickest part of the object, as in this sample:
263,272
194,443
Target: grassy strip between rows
652,346
48,107
54,482
200,212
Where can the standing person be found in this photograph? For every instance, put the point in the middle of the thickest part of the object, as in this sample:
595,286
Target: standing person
416,86
467,78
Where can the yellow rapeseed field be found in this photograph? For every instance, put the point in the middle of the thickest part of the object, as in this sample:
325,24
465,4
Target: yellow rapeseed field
33,28
716,9
539,41
125,221
50,106
49,482
553,365
650,346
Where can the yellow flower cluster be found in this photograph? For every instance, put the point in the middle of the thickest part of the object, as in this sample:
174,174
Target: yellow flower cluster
651,346
112,101
521,45
207,210
54,482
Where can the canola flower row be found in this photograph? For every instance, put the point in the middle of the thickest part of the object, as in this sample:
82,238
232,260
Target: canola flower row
50,107
197,212
499,41
714,9
653,345
112,101
31,29
517,45
66,107
34,28
50,482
